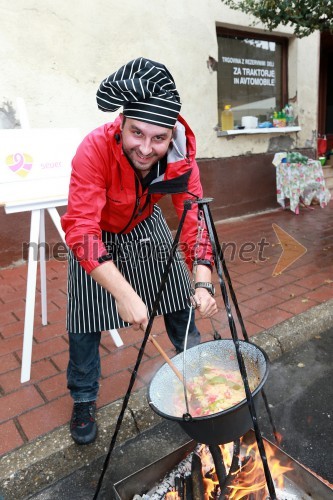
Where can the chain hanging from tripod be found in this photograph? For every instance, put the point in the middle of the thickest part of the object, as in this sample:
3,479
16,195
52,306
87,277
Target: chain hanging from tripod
196,253
197,245
220,267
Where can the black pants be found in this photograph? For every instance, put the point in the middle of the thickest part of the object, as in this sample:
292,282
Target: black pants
84,367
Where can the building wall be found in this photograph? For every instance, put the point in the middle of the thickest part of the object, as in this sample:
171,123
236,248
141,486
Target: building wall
55,54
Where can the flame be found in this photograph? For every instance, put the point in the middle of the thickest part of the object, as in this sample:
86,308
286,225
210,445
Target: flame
171,495
278,437
249,479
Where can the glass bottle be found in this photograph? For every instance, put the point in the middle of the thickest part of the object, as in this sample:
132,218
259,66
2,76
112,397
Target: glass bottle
227,118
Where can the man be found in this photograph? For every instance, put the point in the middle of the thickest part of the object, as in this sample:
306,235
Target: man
118,238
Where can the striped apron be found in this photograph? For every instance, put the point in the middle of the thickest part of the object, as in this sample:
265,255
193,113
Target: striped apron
141,257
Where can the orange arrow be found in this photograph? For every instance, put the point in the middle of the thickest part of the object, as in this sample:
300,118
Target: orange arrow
291,250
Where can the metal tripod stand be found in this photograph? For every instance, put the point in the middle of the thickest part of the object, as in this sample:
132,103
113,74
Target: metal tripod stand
221,268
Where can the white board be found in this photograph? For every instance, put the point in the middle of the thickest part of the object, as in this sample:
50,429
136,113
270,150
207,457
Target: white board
35,164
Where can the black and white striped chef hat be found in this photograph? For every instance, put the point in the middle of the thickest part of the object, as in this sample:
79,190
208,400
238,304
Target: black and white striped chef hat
145,89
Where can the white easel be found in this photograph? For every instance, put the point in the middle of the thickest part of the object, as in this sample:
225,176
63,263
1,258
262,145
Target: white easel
37,241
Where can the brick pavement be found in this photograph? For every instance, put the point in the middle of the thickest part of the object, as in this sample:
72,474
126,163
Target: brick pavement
32,409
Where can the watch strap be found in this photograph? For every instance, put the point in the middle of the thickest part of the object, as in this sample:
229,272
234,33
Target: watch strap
205,284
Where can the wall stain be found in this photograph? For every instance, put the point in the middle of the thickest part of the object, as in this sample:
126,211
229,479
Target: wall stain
8,116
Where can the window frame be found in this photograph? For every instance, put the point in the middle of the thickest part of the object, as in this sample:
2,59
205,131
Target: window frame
283,41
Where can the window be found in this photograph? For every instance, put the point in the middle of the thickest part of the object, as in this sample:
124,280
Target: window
252,74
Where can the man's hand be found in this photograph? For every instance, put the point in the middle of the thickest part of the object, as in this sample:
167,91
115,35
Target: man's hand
133,310
205,303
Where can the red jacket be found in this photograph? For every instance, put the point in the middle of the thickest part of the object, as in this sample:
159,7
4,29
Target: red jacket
105,193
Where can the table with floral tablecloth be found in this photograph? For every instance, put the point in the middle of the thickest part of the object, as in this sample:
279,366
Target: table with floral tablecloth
300,182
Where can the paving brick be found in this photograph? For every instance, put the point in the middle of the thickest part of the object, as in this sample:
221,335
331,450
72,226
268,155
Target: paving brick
269,317
9,437
321,294
315,281
303,271
11,381
54,387
251,329
7,292
223,332
58,266
107,341
19,401
12,329
252,266
250,277
220,318
123,358
115,387
204,325
297,305
47,349
239,291
260,303
14,275
11,344
16,305
253,290
289,291
49,331
128,335
282,279
158,325
164,342
148,368
57,316
44,419
51,308
8,362
7,317
61,360
60,303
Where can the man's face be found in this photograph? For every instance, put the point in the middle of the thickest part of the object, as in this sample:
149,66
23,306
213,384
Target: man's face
144,143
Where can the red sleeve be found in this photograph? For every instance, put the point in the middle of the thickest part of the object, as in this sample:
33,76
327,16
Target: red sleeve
86,201
189,233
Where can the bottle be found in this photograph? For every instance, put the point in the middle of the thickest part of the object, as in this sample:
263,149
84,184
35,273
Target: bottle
286,112
291,118
227,118
275,119
283,121
279,119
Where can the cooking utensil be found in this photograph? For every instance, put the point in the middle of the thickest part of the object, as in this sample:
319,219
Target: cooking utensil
221,427
166,358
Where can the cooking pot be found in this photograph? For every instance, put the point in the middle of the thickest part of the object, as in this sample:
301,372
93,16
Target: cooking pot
216,428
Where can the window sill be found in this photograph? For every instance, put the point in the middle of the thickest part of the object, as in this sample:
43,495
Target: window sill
251,131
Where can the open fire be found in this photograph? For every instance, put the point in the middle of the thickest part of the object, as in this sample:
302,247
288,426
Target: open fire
247,480
199,480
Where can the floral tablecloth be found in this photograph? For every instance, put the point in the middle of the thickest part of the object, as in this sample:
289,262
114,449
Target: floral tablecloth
301,183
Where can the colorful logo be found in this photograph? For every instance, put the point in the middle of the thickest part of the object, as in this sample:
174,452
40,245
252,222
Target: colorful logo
19,163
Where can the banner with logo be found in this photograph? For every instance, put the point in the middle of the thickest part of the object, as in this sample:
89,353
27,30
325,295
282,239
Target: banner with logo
35,164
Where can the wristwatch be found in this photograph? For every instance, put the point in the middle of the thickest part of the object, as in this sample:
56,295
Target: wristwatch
206,284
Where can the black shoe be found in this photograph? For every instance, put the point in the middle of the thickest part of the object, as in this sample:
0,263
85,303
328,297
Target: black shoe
83,425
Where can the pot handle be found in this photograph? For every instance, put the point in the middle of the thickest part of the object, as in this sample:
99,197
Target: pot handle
191,308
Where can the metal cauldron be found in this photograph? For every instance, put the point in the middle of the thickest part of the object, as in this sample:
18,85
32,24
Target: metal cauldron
217,428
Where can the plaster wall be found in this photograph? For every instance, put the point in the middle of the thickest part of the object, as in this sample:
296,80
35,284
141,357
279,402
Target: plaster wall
55,54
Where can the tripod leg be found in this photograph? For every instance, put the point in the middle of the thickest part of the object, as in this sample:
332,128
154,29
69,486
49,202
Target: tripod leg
187,206
239,316
217,254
